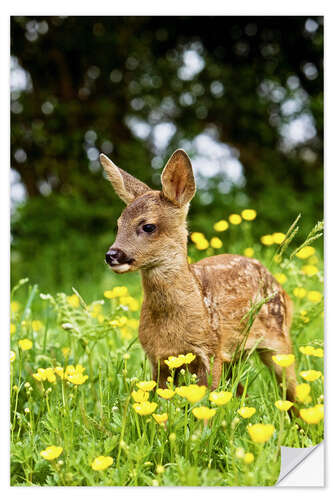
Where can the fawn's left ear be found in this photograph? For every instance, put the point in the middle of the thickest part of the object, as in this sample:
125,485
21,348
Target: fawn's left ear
178,183
125,185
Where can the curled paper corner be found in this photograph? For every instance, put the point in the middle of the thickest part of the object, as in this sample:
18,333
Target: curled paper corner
292,457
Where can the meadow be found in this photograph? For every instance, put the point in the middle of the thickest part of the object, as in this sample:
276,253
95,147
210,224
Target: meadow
85,412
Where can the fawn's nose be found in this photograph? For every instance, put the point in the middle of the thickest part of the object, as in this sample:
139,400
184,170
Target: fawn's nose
115,256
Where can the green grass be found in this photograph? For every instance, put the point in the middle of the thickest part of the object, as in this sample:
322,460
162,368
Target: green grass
97,417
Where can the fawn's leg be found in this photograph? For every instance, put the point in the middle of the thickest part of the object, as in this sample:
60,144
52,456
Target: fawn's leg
161,377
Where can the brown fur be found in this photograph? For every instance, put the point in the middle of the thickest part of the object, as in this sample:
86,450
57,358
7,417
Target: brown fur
194,308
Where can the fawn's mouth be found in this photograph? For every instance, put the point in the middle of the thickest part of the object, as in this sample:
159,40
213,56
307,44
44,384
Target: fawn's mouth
121,268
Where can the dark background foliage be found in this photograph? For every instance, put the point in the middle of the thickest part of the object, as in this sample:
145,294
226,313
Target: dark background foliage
113,84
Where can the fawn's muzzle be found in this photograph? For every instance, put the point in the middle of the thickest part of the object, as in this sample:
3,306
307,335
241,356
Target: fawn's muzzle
116,257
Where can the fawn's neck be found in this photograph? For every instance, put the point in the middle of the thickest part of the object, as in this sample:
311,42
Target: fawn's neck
170,287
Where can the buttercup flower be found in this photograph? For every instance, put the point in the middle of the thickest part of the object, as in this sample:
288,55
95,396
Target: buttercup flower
314,296
189,357
260,433
12,328
51,452
165,393
101,463
221,225
284,360
309,350
246,411
160,418
220,398
15,306
119,322
36,325
117,291
73,300
174,362
12,356
196,237
139,396
310,270
278,238
280,277
248,252
202,244
216,242
249,214
305,252
283,405
299,292
235,219
302,392
310,375
77,378
129,301
145,408
248,458
312,415
193,393
267,240
203,412
146,385
25,344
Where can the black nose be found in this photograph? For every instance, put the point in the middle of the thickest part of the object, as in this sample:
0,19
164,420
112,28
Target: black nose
115,256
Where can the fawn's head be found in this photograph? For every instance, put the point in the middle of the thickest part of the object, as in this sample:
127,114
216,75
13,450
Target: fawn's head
152,228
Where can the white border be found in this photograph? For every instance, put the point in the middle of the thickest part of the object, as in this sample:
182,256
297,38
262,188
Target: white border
145,7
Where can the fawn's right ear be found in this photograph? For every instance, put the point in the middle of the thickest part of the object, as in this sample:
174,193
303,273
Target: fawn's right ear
178,182
125,185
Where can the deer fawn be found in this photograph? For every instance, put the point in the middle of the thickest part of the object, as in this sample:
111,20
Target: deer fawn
194,308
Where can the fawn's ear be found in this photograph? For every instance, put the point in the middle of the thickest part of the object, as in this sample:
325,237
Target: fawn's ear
178,183
125,185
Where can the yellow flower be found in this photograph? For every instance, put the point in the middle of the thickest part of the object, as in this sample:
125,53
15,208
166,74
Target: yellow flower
299,292
202,244
65,351
174,362
160,418
133,323
302,392
51,452
309,350
25,344
131,302
12,356
260,433
312,415
119,322
203,412
246,411
15,306
248,458
145,408
310,270
59,371
278,238
267,240
310,375
36,325
284,360
146,385
165,393
189,357
196,237
280,277
235,219
193,393
221,225
49,374
12,328
95,310
220,398
305,252
101,463
73,300
117,291
314,296
140,396
77,378
249,214
283,405
216,242
248,252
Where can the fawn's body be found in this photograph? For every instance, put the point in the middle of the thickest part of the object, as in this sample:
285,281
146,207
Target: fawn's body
192,308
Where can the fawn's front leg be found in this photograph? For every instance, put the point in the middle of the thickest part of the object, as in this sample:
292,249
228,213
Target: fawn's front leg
160,374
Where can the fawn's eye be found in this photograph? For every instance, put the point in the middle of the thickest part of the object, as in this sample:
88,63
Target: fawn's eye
149,228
